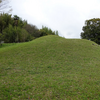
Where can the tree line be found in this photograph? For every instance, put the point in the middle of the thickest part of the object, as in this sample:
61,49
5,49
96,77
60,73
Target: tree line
14,29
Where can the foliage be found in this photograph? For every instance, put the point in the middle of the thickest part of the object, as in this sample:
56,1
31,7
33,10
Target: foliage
32,30
56,33
10,34
46,31
24,36
17,21
1,37
15,34
91,30
11,29
14,29
5,20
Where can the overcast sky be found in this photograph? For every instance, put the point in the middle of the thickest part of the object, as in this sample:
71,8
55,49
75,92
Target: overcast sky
66,16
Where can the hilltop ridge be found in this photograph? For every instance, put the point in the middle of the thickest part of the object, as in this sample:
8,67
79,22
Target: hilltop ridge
50,67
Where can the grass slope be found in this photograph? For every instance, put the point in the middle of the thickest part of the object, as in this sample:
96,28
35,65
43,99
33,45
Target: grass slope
50,68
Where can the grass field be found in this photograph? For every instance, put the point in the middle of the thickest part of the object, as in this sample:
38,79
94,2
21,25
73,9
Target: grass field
50,68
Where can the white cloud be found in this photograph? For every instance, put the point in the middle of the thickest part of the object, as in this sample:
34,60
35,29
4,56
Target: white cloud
66,16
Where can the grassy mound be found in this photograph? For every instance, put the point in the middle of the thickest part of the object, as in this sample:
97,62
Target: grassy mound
50,68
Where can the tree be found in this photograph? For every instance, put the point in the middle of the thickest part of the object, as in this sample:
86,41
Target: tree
10,34
17,21
24,36
56,33
5,20
46,31
4,7
91,30
1,38
32,30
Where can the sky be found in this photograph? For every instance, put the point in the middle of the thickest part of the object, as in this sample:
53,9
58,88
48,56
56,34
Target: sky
66,16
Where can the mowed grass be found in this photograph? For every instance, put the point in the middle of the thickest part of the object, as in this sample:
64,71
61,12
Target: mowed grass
50,68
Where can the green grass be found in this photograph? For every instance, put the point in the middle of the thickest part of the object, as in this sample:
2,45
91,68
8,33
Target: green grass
6,45
50,68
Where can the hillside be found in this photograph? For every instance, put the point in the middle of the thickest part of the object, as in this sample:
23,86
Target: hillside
50,68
